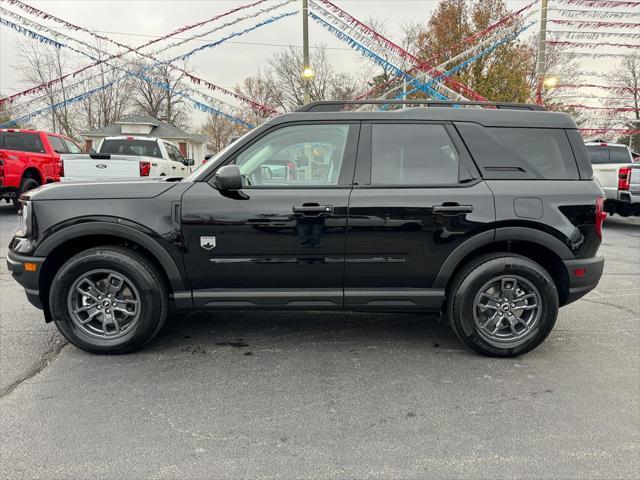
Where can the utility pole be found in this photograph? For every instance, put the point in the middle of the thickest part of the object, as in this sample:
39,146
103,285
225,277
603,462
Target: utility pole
307,72
541,66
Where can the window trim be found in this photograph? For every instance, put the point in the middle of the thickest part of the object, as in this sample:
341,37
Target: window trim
345,179
468,174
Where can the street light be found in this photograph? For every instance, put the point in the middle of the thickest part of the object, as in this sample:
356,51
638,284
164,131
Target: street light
551,82
307,71
308,74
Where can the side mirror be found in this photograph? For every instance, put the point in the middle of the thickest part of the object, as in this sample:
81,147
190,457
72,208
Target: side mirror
228,178
188,162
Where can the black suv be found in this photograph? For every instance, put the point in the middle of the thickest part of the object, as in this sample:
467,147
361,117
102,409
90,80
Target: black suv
488,214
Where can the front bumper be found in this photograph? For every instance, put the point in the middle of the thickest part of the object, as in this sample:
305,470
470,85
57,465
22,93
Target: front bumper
29,279
580,284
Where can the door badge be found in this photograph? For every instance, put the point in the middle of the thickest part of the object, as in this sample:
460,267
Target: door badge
208,242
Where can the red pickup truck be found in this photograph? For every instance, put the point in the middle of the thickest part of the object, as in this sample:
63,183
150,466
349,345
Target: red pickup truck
29,158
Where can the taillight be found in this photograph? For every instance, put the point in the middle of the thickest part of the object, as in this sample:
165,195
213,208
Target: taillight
61,168
1,167
600,216
624,178
145,168
291,171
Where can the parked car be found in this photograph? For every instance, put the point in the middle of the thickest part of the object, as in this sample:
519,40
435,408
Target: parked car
490,215
30,158
619,176
128,157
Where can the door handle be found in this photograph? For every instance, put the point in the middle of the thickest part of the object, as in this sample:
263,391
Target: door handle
452,209
317,209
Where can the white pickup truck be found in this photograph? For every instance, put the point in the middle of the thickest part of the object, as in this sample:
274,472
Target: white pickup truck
618,175
127,157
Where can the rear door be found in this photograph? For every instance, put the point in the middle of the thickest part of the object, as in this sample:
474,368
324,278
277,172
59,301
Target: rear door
21,150
280,241
177,161
416,197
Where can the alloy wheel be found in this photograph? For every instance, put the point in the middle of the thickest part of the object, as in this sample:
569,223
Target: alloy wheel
104,303
507,309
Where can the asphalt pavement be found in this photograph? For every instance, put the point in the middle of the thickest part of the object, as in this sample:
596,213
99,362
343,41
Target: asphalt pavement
326,395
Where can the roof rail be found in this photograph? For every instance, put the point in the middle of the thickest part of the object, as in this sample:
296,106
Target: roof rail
338,105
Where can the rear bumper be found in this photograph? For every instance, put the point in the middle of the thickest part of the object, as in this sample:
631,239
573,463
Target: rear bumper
28,279
579,286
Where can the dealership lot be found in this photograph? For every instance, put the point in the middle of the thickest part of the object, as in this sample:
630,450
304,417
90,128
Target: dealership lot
325,395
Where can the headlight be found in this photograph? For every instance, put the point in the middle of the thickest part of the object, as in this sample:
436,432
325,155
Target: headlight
25,214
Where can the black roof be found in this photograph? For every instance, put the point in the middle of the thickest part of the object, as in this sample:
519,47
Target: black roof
500,115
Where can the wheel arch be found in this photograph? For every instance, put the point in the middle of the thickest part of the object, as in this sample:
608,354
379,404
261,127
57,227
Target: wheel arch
33,172
536,245
62,245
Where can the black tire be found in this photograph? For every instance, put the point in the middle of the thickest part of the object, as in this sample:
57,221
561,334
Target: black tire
466,318
141,279
27,183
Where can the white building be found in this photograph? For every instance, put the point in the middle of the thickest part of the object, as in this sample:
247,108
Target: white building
192,145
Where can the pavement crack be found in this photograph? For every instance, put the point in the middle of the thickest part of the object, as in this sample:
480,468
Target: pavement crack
609,304
55,345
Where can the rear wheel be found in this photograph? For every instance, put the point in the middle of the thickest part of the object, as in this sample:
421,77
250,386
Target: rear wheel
503,305
27,183
108,300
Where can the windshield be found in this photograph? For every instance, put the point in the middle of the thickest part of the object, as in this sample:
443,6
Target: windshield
213,161
139,148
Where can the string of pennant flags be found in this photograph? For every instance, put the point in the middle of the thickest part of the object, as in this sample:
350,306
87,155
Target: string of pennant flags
193,78
579,28
595,30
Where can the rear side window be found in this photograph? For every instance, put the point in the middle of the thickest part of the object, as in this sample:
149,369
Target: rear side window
412,154
72,147
21,142
544,152
57,144
145,148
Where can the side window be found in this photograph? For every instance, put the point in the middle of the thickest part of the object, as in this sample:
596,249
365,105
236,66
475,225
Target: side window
21,142
72,147
295,156
412,154
545,151
178,157
173,152
57,144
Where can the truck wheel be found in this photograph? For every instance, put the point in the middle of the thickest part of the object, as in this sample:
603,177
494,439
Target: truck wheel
108,300
502,305
27,183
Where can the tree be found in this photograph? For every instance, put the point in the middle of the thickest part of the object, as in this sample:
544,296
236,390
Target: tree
39,65
503,74
221,131
111,102
157,93
626,81
280,83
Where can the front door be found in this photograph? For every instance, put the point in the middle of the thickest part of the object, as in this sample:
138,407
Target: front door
280,241
417,197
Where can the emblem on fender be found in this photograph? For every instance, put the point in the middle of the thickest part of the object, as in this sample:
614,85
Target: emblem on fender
208,242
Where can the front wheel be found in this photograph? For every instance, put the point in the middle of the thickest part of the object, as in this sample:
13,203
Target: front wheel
503,305
27,183
108,300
